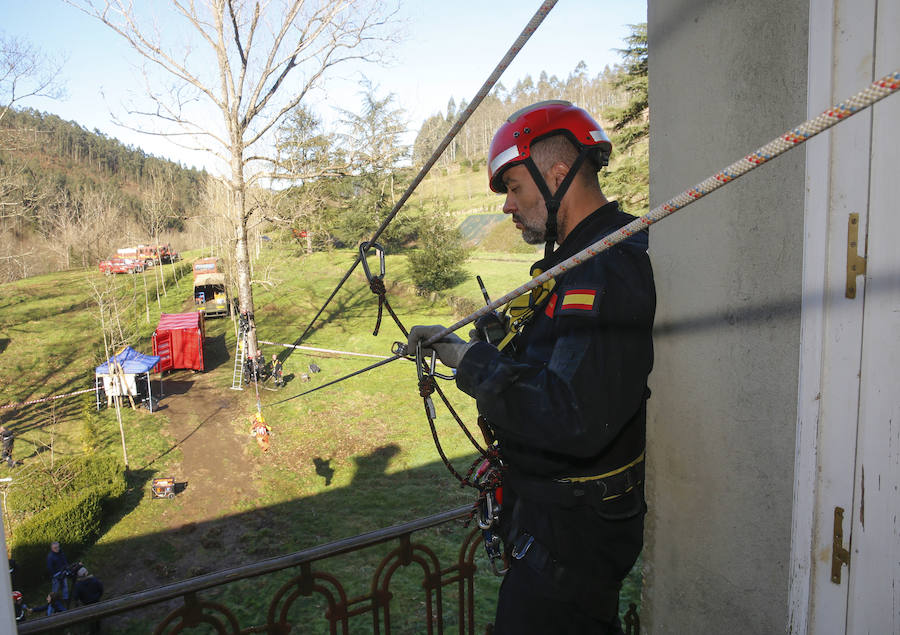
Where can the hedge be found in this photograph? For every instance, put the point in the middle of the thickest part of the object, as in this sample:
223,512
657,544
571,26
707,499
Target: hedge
43,488
74,522
74,518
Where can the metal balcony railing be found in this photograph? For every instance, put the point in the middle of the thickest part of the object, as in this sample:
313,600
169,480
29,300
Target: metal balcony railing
340,609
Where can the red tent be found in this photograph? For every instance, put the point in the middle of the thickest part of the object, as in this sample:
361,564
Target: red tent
178,340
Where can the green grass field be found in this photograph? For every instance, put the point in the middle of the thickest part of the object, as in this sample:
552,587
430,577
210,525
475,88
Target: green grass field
370,430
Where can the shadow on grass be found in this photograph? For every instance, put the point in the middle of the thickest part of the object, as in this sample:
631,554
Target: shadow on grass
376,498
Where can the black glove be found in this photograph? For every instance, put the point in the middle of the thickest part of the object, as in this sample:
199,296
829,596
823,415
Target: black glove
450,348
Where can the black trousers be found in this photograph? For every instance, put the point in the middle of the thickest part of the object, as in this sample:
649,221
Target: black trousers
530,603
594,549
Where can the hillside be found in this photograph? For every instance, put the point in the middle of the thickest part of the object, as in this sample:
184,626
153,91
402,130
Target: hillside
68,194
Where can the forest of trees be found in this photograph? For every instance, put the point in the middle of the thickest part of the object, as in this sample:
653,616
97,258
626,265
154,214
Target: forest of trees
67,195
595,94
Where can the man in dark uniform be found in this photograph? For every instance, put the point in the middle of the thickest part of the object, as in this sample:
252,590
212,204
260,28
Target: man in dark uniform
57,565
7,439
565,398
277,370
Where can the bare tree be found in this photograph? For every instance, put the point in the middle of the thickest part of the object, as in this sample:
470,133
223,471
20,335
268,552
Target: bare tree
113,306
157,211
256,61
25,71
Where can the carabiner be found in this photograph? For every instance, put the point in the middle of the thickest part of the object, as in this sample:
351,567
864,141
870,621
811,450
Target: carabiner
421,371
363,248
400,349
420,362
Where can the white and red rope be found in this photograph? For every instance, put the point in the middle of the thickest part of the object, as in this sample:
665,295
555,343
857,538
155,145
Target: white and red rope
43,399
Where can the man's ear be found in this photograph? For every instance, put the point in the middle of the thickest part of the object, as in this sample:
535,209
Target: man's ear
558,173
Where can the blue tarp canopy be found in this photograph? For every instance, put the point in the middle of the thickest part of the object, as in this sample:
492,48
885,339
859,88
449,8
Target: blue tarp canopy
131,361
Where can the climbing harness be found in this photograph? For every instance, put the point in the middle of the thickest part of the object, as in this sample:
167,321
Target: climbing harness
520,310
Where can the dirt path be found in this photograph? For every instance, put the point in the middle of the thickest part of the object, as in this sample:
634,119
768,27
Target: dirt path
196,533
214,469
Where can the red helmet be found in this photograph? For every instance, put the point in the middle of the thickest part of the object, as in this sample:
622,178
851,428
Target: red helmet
512,142
16,596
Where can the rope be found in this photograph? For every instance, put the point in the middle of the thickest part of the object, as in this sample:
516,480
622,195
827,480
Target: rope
33,401
524,36
427,383
875,92
323,350
387,360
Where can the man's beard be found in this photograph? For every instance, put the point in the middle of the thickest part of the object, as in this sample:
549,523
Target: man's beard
530,234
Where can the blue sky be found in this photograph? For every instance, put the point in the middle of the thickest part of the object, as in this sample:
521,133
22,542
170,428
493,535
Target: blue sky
449,49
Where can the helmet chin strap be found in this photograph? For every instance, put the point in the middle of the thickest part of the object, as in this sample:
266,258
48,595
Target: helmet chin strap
552,201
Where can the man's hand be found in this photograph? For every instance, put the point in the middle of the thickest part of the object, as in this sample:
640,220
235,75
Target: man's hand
450,348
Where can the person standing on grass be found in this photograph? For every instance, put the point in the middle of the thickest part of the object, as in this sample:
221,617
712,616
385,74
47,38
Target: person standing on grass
88,590
57,567
277,370
564,392
7,439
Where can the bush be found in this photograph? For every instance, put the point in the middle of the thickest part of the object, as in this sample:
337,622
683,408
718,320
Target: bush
46,486
74,522
437,263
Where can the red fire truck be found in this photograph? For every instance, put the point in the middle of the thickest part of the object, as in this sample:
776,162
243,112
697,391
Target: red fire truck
120,265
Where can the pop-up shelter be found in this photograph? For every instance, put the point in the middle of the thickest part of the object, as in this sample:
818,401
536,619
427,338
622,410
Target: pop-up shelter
178,341
123,374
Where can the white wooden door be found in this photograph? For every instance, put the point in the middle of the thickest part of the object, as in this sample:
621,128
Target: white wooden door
848,441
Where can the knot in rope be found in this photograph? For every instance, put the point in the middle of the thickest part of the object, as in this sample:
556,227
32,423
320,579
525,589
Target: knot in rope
427,386
376,284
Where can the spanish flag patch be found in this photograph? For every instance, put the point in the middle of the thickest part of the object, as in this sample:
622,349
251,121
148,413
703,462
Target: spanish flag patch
578,300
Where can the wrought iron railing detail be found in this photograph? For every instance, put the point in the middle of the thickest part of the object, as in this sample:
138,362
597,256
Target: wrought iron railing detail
340,609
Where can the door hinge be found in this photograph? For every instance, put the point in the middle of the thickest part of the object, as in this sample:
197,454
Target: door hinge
856,264
839,555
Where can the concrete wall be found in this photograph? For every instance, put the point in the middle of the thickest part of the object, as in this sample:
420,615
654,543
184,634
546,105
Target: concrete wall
725,78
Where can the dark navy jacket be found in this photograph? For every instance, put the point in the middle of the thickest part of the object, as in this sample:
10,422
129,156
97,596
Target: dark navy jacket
56,562
570,399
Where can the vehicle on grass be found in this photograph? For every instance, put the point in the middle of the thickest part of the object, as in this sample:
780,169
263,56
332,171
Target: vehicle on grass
120,265
210,292
149,255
